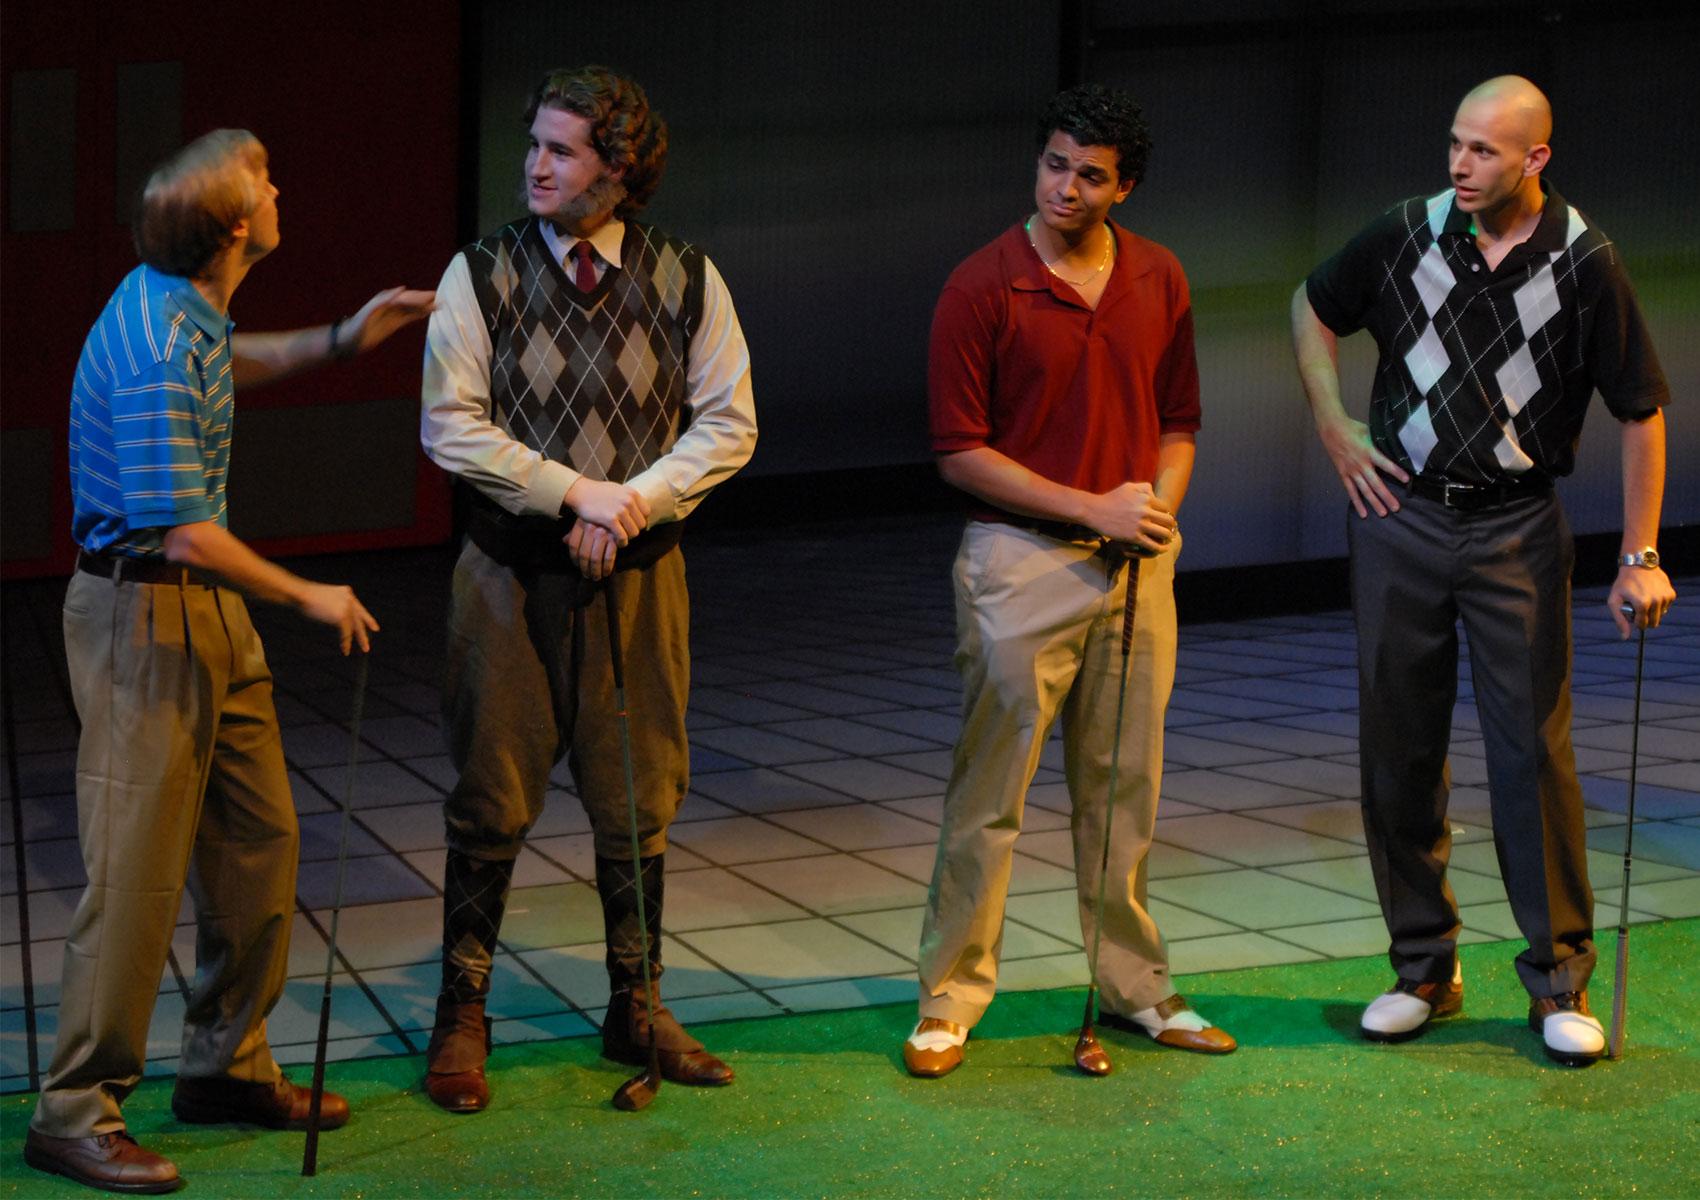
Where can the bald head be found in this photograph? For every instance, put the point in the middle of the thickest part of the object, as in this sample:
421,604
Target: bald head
1499,149
1515,106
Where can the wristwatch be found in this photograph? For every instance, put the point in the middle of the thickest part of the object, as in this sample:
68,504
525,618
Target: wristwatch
1648,558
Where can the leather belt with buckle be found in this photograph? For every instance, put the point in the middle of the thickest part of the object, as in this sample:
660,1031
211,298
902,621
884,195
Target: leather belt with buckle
123,568
1473,496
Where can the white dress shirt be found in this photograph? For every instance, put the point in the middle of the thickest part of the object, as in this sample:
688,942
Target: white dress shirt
459,435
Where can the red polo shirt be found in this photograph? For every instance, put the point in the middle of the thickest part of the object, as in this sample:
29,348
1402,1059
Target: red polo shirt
1077,395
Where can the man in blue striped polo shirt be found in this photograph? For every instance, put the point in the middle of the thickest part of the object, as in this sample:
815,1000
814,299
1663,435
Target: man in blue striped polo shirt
180,772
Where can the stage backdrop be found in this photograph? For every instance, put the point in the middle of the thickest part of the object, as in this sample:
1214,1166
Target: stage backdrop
837,161
359,107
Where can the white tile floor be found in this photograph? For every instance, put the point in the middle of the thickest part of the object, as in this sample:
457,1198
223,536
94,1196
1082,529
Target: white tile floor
822,715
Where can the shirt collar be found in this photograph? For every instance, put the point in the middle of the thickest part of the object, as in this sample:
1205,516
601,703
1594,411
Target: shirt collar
1550,231
606,241
195,306
1027,271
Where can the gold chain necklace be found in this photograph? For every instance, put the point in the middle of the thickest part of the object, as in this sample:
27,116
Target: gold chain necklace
1109,244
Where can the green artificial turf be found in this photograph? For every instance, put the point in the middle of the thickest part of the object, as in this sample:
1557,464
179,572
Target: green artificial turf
822,1107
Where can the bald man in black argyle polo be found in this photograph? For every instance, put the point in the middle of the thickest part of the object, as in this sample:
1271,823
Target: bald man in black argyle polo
1499,310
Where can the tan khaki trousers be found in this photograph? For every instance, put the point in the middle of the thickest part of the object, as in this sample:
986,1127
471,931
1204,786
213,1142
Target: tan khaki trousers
1038,637
180,778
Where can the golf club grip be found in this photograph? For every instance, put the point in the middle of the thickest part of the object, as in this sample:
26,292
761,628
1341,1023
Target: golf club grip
615,657
1132,605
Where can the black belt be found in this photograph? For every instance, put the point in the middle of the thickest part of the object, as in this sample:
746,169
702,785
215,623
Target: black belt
1061,530
123,568
1473,496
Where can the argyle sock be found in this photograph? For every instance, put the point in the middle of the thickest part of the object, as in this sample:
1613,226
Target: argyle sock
614,883
475,894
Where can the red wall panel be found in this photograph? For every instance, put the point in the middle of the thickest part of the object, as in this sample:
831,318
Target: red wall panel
358,106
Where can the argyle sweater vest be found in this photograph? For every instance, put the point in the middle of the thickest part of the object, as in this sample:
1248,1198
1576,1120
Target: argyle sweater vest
594,381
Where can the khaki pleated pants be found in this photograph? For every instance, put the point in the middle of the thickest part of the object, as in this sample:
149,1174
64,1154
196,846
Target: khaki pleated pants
1039,638
180,778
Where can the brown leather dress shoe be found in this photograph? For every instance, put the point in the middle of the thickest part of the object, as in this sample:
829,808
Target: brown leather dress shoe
626,1033
278,1105
1209,1040
454,1061
112,1161
931,1064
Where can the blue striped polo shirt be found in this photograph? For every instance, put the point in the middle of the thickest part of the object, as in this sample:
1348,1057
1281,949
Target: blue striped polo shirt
152,407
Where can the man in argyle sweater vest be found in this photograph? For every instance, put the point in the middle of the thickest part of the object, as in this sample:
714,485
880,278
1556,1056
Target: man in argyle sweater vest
1498,310
586,377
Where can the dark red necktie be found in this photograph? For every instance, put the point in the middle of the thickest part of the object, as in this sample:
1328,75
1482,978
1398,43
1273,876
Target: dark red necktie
584,275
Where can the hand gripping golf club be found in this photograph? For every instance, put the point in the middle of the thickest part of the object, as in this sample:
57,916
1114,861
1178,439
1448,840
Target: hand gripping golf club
1089,1056
1620,986
638,1091
310,1157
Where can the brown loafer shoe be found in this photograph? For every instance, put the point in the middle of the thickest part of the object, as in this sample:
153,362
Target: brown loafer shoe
112,1161
1209,1040
625,1038
454,1061
926,1063
277,1105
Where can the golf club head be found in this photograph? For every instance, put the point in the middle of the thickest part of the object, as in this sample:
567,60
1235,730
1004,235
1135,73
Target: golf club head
636,1093
1089,1056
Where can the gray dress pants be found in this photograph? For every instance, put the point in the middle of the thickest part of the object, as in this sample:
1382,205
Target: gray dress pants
1505,573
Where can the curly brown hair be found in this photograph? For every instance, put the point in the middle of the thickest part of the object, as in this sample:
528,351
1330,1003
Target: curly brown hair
624,130
1095,115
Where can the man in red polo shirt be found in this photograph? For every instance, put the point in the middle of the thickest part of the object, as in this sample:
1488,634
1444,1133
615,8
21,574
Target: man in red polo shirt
1063,399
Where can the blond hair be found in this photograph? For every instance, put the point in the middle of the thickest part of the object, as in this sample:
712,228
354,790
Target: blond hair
195,198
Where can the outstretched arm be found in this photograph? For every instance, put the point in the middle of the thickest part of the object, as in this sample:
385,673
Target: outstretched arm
260,358
1359,463
1649,592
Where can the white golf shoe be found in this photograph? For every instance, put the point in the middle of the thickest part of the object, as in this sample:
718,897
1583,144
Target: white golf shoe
1572,1035
1405,1012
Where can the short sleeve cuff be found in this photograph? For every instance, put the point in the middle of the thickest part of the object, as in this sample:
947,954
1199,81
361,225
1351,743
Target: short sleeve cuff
1326,311
186,513
954,443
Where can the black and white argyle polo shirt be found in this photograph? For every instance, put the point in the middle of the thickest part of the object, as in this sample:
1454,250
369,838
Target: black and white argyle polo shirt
1485,375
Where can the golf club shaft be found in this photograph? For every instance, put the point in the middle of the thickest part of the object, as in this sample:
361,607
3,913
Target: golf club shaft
310,1156
1128,611
1620,986
616,658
